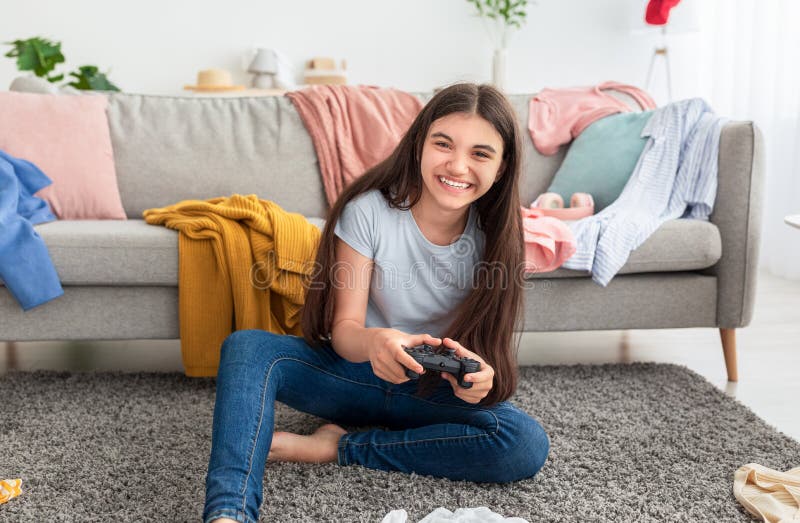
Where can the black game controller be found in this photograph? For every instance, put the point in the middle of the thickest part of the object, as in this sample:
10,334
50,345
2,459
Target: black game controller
445,361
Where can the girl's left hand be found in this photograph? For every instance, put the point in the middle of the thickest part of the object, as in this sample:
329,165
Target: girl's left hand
482,381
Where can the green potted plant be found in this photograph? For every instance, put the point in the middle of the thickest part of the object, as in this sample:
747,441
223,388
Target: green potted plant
88,77
500,18
41,56
37,55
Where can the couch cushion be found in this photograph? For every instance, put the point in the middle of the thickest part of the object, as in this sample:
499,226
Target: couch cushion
106,252
67,137
168,149
678,245
602,158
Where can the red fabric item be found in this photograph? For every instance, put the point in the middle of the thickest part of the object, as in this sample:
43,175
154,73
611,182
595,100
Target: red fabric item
353,128
658,11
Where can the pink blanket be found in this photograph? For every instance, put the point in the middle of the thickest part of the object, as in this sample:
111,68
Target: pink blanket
556,116
549,242
353,128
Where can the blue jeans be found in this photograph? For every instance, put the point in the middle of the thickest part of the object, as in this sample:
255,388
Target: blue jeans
441,435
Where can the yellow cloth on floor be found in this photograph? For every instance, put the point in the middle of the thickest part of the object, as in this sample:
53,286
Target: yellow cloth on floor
9,489
768,494
243,264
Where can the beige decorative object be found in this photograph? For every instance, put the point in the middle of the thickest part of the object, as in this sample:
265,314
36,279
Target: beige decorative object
214,80
321,70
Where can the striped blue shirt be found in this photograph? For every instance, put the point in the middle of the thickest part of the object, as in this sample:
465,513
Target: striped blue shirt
675,177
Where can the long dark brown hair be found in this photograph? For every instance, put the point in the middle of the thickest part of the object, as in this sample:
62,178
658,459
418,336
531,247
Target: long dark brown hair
486,321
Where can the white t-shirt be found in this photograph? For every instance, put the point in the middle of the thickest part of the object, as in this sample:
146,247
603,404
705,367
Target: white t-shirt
415,284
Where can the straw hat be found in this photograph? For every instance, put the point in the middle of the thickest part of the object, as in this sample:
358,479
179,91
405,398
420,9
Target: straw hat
214,80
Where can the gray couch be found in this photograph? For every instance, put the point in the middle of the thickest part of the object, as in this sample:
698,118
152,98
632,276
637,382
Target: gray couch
120,277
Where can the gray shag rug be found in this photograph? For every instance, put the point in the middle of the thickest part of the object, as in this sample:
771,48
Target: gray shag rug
635,442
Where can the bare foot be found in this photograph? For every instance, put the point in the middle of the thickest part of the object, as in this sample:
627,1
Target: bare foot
320,447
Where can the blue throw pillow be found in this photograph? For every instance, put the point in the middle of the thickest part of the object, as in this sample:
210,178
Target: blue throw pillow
602,158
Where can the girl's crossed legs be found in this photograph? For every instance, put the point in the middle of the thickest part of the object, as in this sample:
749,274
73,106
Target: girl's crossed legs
439,436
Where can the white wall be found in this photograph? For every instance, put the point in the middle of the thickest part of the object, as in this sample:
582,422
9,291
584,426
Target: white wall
157,46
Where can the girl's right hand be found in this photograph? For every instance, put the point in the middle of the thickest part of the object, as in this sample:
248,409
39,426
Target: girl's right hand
388,358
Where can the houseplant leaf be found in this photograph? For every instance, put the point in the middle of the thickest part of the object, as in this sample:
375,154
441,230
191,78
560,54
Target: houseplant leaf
38,55
89,78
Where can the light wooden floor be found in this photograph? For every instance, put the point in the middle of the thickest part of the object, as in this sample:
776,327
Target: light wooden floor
768,353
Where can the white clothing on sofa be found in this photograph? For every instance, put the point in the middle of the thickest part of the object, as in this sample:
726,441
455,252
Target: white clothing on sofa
675,177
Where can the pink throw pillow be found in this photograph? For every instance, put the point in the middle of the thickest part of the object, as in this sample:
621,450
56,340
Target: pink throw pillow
67,137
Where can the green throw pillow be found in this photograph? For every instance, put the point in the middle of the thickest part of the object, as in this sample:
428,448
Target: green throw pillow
602,158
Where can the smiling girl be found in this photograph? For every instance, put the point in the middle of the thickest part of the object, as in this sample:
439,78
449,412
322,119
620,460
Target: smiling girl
425,247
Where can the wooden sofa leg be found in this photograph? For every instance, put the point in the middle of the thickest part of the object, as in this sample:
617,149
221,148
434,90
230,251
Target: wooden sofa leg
728,337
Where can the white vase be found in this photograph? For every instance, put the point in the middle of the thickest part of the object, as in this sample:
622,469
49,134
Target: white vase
499,68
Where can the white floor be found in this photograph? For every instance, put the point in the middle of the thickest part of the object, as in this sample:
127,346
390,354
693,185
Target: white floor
768,353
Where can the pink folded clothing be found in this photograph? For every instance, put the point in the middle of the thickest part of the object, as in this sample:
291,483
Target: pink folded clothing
556,116
549,242
353,128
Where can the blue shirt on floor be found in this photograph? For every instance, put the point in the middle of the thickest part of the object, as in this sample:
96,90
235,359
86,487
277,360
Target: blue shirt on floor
25,265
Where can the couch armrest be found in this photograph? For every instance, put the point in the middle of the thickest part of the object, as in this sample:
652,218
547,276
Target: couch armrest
737,214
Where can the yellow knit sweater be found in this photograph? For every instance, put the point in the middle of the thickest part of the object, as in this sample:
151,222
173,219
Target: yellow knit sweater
243,264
